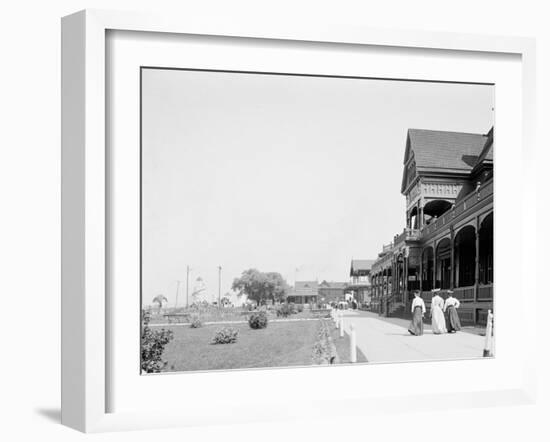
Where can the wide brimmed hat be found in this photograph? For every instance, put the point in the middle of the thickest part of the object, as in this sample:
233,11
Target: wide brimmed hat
435,290
450,291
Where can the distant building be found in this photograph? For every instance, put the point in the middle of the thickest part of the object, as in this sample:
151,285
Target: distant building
360,285
304,292
448,239
331,291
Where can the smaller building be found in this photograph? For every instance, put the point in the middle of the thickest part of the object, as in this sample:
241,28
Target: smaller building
304,292
359,285
332,292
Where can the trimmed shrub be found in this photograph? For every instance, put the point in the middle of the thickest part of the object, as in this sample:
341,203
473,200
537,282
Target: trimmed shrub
257,320
152,345
284,310
226,335
195,322
300,308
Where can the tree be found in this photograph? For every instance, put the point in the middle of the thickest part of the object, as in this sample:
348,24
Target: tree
226,300
260,286
160,300
152,345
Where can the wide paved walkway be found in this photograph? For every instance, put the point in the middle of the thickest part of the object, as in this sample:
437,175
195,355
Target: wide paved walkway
384,341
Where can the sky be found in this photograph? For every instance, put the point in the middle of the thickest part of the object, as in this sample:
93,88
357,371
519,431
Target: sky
296,175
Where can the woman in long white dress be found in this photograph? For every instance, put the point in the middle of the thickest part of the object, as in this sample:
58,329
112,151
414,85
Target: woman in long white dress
436,313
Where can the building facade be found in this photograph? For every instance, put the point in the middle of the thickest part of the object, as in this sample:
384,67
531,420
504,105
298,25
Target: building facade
360,283
332,292
447,242
304,292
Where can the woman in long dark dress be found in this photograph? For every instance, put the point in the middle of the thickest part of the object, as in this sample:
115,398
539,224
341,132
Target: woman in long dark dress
451,315
418,308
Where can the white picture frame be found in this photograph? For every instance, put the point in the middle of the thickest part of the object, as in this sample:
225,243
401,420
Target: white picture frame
85,202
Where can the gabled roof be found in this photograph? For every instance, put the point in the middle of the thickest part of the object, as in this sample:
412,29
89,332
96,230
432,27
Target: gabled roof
333,285
435,149
361,265
486,155
305,285
441,151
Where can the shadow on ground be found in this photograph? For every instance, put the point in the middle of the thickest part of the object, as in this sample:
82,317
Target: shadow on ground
51,414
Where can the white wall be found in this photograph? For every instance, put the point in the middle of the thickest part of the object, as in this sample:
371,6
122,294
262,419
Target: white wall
30,221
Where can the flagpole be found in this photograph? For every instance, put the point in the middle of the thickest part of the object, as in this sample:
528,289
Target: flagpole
219,286
177,292
187,288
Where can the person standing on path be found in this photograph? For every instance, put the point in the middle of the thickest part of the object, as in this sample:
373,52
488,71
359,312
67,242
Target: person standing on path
436,313
418,308
451,315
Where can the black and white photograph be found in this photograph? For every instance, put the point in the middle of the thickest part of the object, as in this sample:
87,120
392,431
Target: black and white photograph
307,220
269,221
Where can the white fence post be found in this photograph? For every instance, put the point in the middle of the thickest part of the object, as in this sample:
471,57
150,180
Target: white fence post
341,324
353,343
488,336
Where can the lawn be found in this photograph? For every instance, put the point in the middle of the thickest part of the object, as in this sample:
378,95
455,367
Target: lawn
215,314
281,344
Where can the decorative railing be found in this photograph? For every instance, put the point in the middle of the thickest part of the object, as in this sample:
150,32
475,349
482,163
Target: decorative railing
485,292
461,206
408,235
465,293
387,247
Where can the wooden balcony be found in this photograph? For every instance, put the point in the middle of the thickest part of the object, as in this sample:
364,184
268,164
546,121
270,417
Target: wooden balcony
408,235
474,198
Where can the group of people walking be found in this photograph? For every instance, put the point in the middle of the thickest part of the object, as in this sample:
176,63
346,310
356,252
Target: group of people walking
443,313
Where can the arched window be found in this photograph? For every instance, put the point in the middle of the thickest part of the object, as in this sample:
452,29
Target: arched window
434,209
443,264
465,257
486,250
427,269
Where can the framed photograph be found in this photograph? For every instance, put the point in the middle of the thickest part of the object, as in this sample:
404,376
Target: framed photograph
264,212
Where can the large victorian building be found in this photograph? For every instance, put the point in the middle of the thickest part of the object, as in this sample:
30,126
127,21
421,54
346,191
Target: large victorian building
448,238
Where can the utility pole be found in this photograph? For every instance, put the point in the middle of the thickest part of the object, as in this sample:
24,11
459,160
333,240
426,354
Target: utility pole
187,289
219,286
177,292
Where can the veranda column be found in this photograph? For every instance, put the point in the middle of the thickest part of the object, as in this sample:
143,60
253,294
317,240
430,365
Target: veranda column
434,270
395,278
405,279
452,281
421,268
476,283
